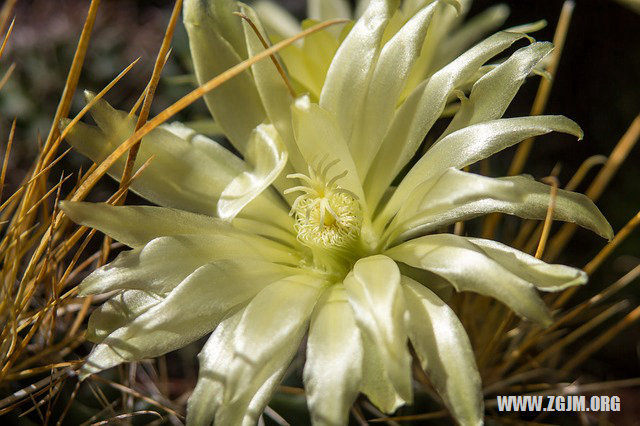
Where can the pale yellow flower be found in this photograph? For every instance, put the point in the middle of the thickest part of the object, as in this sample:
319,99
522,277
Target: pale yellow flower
334,250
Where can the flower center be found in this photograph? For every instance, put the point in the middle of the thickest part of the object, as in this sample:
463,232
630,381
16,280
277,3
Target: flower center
327,216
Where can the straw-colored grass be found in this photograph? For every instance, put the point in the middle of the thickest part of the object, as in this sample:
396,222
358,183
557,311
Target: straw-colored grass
44,256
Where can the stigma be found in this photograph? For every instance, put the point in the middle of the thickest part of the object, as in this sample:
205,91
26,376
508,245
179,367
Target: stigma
327,215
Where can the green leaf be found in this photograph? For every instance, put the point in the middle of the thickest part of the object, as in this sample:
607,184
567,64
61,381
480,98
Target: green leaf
445,353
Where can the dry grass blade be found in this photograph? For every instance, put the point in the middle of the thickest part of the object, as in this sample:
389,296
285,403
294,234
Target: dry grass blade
151,87
7,153
7,75
615,160
602,340
117,419
5,13
595,263
544,89
549,217
138,395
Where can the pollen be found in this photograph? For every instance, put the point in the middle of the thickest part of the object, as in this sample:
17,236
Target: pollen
326,215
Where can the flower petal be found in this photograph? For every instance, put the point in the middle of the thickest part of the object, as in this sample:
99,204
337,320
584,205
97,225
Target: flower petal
267,337
545,276
375,383
189,311
422,108
319,137
469,33
445,353
457,196
136,226
217,43
267,154
493,92
374,292
188,171
118,311
468,268
277,20
333,369
272,89
350,71
473,143
165,261
388,79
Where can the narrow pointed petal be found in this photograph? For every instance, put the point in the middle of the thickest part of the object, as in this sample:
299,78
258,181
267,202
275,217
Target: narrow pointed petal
493,92
188,171
267,336
136,226
272,89
268,155
333,369
376,297
422,108
469,268
545,276
458,196
445,352
474,143
214,359
471,32
319,138
165,261
388,79
189,311
217,43
350,71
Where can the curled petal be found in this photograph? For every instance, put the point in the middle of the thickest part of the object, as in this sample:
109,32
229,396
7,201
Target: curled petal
319,137
268,156
165,261
350,71
188,171
468,268
389,76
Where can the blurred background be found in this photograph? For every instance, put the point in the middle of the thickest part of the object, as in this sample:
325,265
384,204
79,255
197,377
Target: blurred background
597,85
